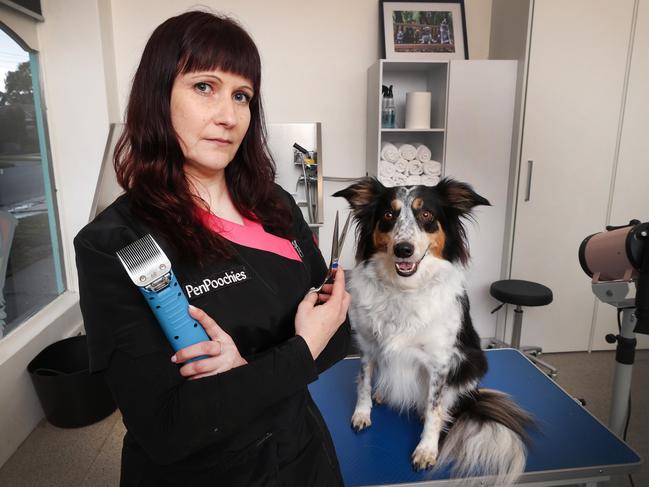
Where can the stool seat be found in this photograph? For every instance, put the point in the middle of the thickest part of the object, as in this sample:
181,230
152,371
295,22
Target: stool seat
522,293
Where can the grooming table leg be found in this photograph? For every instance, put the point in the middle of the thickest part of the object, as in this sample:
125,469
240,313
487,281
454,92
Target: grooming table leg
552,371
623,371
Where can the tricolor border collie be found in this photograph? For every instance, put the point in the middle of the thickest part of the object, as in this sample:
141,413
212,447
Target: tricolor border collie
418,346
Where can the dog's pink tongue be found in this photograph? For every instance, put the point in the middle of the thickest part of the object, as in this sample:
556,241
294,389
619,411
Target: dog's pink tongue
406,266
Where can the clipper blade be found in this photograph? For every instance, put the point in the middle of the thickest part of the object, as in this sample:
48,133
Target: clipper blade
144,261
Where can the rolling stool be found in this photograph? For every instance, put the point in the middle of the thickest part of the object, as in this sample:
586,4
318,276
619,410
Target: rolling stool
523,293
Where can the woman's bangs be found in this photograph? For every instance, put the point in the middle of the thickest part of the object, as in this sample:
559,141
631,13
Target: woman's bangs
232,51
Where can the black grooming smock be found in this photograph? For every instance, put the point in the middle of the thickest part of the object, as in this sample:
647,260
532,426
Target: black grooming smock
251,426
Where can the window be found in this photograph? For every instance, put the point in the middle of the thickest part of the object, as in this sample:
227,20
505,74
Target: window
30,260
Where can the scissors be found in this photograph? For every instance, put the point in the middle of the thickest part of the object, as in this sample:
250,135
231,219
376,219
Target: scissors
336,248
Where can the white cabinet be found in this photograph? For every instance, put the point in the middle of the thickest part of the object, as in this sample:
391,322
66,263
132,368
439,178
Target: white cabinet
478,150
630,196
471,118
572,107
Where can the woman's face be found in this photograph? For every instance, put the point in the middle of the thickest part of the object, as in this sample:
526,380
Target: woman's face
210,112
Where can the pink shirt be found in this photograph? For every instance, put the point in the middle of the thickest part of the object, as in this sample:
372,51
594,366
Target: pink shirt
250,234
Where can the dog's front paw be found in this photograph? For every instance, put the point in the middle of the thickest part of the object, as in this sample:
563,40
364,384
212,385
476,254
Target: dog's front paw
378,399
361,420
424,457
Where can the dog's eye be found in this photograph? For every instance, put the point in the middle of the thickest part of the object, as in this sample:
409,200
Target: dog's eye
388,215
426,216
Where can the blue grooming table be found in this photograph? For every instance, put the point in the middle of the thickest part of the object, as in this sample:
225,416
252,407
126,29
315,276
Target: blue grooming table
570,445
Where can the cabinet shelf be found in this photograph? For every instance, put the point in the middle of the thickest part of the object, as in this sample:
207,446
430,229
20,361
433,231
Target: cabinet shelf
400,130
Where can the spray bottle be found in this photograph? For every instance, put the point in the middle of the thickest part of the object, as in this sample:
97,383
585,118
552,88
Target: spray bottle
387,108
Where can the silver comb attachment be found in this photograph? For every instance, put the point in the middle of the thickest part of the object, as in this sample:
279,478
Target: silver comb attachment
146,263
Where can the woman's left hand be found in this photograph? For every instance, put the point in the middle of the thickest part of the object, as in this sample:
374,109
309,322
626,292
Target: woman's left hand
221,352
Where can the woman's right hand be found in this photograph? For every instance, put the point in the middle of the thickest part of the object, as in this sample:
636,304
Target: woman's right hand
220,353
317,323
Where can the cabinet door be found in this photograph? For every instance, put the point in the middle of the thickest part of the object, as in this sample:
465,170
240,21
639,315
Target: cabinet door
576,73
630,194
478,151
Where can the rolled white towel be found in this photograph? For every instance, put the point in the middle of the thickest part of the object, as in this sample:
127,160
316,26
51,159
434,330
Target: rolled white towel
389,152
432,168
407,151
415,168
386,169
423,153
429,180
413,180
399,179
401,165
387,181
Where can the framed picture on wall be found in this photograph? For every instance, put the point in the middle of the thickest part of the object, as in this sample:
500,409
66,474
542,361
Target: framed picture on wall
423,29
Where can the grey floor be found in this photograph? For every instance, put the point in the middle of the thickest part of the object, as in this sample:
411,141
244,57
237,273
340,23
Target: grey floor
89,456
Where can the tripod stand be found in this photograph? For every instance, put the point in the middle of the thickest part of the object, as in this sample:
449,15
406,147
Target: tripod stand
617,294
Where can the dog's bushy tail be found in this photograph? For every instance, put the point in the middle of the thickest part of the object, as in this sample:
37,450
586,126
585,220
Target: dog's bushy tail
487,438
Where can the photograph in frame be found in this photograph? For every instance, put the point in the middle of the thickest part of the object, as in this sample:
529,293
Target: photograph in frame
423,30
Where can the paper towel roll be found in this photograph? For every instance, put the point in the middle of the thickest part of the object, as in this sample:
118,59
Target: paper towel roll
418,109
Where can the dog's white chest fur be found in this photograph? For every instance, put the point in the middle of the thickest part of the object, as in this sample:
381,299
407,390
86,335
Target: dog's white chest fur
409,333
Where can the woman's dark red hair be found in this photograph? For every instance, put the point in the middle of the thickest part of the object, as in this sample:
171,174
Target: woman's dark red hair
148,158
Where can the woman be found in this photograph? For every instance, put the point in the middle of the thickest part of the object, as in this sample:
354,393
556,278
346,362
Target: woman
198,177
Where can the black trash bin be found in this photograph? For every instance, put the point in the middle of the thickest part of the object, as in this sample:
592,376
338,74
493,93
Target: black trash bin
70,395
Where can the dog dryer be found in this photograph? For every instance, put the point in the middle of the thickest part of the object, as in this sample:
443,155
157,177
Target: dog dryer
621,254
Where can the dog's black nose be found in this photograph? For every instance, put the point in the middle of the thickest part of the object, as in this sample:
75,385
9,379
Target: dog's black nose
404,250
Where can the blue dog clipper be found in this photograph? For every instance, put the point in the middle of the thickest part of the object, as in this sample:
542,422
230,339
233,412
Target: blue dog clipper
150,270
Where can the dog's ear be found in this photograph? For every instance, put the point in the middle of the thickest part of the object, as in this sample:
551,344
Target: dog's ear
361,194
362,197
460,196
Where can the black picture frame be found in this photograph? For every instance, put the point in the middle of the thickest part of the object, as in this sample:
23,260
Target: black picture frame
425,30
